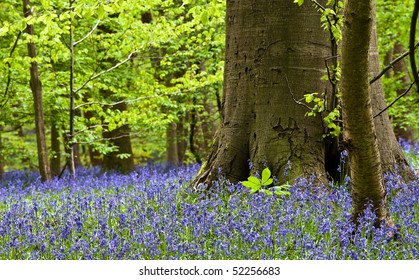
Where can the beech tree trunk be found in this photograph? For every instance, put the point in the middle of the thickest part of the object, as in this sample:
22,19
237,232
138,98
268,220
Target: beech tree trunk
275,53
36,87
391,154
358,124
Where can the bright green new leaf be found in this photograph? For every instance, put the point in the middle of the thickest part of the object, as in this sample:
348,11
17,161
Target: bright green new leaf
299,2
309,97
281,190
253,179
266,174
266,192
204,17
251,185
268,182
101,12
282,193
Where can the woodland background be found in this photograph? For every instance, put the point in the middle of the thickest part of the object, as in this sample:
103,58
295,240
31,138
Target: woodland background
145,84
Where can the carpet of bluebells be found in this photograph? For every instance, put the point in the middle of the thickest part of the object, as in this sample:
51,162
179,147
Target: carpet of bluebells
153,214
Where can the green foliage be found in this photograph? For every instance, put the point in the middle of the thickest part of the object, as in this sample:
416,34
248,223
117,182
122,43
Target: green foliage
393,23
257,185
176,67
319,103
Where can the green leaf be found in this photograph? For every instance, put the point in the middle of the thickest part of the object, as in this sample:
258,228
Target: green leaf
251,185
266,192
123,156
309,97
268,182
299,2
266,174
281,190
204,17
286,193
254,180
101,12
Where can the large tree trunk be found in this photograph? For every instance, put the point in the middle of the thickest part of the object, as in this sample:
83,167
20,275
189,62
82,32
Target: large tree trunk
391,155
275,54
44,167
358,124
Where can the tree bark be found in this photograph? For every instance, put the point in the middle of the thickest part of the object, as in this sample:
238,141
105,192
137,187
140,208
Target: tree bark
172,155
55,147
72,111
358,124
36,87
391,155
95,157
275,54
181,139
1,153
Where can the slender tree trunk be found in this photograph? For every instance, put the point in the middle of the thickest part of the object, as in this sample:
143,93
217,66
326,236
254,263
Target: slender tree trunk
359,135
77,155
181,139
36,87
94,156
70,140
120,137
192,135
55,147
1,153
391,155
171,144
275,54
208,124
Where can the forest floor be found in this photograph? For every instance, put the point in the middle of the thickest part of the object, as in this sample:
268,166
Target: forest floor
152,213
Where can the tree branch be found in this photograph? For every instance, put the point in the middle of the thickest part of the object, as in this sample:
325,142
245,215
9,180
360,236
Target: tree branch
293,98
88,34
125,101
391,64
9,72
104,72
109,138
318,5
397,99
138,99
